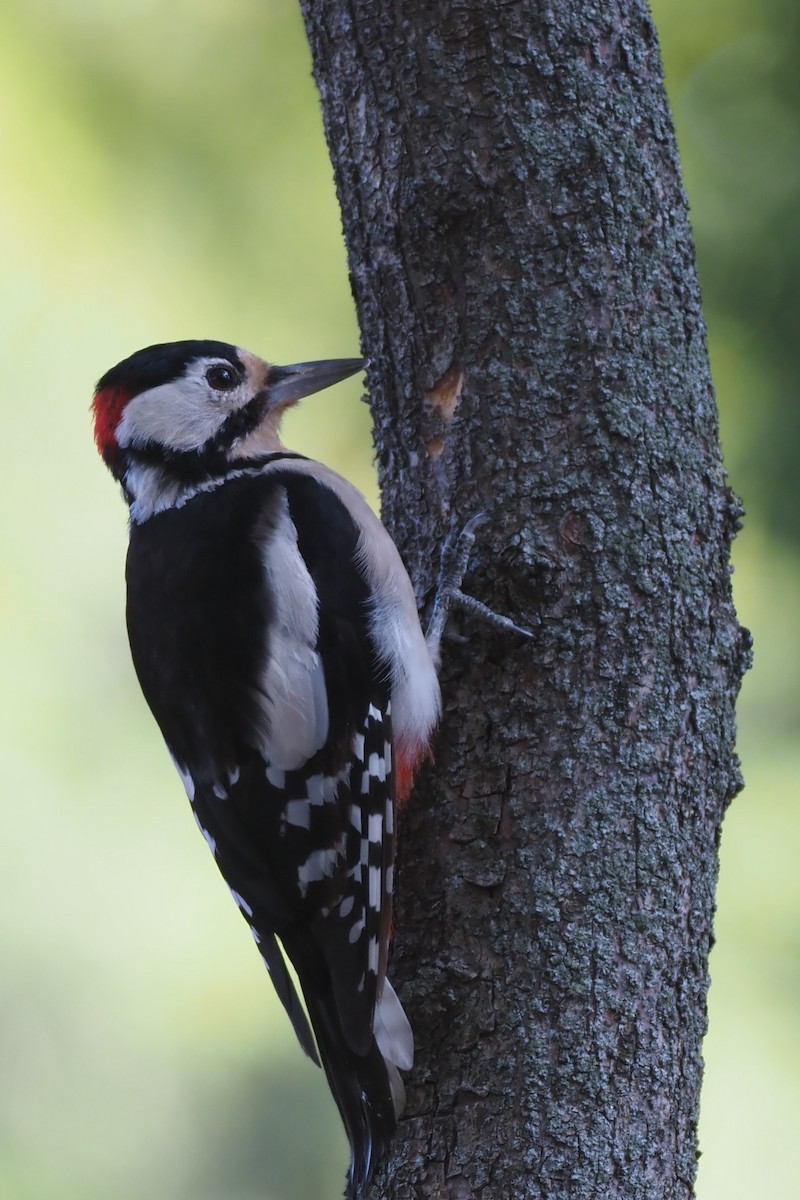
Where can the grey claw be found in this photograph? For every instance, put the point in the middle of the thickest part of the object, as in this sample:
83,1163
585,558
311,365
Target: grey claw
448,592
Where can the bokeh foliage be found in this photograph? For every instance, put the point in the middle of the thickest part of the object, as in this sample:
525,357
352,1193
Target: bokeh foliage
164,175
735,89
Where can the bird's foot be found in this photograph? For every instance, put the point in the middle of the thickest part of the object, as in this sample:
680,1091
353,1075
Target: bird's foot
455,558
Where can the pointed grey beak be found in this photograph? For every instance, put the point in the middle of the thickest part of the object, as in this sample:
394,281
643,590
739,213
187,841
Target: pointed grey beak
286,385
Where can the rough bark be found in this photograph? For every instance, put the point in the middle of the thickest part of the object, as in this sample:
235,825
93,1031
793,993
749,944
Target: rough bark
524,274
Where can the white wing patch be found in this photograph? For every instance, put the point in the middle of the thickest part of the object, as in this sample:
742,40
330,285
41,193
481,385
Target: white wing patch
298,813
320,864
394,622
292,694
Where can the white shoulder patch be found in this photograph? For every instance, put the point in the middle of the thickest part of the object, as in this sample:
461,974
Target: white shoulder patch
416,699
292,693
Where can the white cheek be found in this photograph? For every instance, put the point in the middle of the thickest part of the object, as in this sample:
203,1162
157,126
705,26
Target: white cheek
182,415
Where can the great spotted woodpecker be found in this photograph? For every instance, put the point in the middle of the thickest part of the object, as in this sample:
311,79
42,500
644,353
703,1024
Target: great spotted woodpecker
275,635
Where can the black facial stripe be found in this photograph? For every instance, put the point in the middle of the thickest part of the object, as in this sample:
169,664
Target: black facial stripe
188,466
241,422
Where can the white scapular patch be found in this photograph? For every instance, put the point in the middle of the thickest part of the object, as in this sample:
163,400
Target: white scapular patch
392,1029
394,622
346,906
292,691
220,792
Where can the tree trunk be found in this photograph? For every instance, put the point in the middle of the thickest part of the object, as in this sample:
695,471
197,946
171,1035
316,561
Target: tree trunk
524,275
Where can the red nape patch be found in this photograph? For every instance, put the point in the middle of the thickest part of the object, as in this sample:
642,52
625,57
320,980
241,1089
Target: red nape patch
107,406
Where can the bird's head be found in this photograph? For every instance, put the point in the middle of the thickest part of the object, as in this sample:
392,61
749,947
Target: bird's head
191,409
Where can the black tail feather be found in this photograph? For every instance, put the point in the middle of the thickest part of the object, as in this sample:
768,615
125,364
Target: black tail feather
361,1086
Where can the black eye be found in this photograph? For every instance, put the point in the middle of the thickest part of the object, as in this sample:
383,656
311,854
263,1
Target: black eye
222,378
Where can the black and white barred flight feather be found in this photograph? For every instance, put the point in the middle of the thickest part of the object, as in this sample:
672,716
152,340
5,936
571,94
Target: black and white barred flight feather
275,636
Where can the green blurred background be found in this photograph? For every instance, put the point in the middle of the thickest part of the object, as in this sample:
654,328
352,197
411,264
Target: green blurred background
164,175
